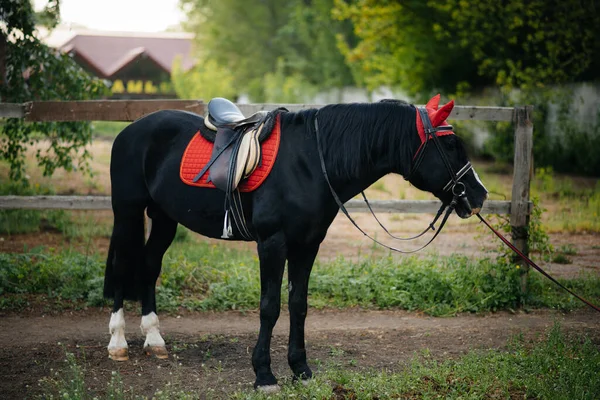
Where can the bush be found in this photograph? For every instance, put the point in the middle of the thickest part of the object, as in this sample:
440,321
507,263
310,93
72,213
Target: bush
560,139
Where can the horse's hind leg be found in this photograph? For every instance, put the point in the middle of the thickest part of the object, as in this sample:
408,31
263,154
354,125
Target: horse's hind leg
300,262
161,236
122,266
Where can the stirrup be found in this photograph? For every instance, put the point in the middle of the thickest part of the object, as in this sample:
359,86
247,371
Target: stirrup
227,231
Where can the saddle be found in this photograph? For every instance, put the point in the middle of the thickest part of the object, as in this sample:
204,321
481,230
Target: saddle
236,152
235,155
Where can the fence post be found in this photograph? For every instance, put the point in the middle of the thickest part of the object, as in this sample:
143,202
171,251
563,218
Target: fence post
523,171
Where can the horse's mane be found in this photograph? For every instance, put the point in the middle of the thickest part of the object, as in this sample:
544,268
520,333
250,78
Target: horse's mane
349,132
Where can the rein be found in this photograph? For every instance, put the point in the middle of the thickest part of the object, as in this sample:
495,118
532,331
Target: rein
534,265
457,195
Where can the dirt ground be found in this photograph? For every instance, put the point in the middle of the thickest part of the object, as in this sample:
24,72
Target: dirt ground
210,352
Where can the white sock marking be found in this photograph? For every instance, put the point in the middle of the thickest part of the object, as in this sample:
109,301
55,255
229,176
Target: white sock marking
150,328
116,327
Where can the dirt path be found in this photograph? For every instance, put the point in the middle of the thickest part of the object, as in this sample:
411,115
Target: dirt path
210,352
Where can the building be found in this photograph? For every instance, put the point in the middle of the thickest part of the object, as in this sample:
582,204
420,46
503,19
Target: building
137,64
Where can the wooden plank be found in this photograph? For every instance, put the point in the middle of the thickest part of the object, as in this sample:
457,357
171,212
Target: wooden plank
458,113
103,203
523,171
129,110
420,206
104,110
12,110
55,202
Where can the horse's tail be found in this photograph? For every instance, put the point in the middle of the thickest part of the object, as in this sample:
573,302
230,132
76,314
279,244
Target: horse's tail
130,197
109,284
125,261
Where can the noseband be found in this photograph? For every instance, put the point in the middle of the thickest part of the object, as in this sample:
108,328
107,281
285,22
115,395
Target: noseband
457,187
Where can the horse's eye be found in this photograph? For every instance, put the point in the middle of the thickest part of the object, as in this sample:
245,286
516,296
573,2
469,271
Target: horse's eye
451,142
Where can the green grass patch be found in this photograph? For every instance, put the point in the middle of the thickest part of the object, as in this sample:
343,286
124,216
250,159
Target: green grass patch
25,221
210,277
577,205
72,224
556,367
108,129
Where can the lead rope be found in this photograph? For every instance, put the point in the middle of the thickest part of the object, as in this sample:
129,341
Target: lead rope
345,211
534,265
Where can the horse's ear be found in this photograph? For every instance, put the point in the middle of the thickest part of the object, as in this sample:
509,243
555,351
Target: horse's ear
434,102
440,115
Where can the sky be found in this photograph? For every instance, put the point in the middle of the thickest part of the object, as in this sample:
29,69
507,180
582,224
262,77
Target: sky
120,15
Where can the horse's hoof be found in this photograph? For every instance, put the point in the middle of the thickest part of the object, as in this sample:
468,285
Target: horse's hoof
269,389
118,354
157,351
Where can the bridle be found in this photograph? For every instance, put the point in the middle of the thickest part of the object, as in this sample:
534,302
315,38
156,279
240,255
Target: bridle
454,185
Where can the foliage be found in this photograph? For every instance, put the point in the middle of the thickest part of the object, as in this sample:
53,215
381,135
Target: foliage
209,277
558,366
207,79
36,72
537,237
397,46
458,46
523,44
272,39
561,139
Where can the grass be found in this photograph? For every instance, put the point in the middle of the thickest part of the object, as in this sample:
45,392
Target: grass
555,367
210,277
108,129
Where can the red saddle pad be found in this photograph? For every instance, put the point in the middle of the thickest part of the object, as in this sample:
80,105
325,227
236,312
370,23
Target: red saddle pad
198,152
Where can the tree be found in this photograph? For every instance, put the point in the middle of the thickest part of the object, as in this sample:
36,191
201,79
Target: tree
463,45
204,81
269,42
33,71
397,46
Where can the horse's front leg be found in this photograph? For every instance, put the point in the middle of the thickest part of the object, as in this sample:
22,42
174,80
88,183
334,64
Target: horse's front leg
300,262
272,255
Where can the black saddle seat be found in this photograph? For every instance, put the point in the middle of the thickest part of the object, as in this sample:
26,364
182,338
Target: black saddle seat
223,113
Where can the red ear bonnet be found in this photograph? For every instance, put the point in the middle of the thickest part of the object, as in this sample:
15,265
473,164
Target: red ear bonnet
437,116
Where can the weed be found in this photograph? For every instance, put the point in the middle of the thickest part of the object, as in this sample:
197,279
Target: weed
380,186
336,351
182,235
568,249
560,258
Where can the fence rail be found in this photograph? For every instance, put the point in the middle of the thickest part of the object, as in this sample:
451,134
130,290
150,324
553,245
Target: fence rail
130,110
103,203
519,207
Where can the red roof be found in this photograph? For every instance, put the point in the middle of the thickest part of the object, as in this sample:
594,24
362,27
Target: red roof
108,53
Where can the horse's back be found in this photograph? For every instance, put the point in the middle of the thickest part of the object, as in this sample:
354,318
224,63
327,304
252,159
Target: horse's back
144,144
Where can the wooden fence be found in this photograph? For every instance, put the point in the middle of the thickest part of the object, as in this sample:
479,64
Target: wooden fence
519,207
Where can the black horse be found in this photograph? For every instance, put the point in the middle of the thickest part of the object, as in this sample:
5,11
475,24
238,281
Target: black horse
289,214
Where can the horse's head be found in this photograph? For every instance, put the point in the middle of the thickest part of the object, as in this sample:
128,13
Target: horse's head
440,164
